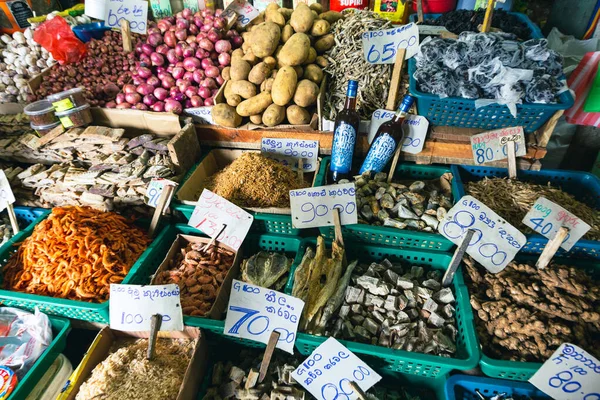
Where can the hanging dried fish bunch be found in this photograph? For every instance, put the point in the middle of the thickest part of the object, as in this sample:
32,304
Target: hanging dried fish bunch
346,61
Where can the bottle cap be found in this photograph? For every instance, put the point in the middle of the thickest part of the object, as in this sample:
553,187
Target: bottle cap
406,104
352,88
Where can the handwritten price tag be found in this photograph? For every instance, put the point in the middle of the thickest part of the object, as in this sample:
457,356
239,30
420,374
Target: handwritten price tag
284,149
202,115
327,373
161,8
212,212
380,47
494,243
246,13
6,194
570,374
254,312
416,131
154,190
313,207
132,307
491,146
546,218
134,11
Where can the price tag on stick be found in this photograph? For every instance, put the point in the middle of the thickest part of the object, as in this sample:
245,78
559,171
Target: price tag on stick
381,47
328,372
132,306
212,212
495,242
134,11
154,190
285,149
571,373
254,312
492,146
313,207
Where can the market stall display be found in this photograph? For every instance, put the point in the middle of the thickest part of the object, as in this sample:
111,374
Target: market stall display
14,124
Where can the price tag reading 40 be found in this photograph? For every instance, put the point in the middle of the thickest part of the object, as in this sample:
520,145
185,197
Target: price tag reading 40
212,212
494,243
380,47
570,374
492,146
546,218
254,312
6,194
327,373
313,207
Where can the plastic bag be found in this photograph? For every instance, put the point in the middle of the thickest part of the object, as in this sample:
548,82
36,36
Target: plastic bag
23,338
56,36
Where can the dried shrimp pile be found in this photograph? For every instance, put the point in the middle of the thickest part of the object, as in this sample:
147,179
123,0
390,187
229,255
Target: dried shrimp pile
512,199
76,253
255,181
126,374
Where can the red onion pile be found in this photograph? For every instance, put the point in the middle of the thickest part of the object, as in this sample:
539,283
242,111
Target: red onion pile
180,63
101,74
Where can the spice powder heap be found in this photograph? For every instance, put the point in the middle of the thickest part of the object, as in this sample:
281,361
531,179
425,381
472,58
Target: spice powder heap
254,180
126,374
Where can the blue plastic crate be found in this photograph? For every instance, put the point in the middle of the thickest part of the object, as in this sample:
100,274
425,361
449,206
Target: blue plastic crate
463,387
27,218
583,185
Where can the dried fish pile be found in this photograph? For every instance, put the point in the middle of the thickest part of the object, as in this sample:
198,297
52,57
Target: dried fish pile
240,380
126,374
512,199
416,205
199,272
266,269
14,124
254,180
347,61
525,313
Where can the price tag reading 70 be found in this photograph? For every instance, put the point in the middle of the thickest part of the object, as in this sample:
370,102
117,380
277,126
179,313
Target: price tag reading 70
380,47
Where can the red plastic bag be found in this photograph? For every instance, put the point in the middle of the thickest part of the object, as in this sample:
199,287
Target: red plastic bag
57,37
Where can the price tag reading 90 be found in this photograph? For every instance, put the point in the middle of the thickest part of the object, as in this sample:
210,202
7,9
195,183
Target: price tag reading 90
313,207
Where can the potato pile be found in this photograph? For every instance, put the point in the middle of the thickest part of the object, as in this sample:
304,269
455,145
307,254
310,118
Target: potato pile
276,74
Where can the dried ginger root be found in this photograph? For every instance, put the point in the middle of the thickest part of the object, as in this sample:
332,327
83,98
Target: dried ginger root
525,314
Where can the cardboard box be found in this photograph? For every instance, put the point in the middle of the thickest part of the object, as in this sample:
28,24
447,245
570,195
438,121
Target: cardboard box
215,161
100,349
220,304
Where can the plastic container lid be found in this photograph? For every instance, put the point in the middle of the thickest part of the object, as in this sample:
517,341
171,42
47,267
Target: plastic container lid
45,127
51,384
39,108
58,96
72,111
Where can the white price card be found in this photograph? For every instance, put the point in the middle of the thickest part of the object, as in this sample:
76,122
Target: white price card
132,306
313,207
328,371
571,373
494,243
254,312
6,194
285,149
246,12
491,146
546,218
212,212
134,11
201,115
154,190
416,129
380,47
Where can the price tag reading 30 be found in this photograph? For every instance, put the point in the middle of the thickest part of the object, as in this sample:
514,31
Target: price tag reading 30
570,374
546,218
380,47
254,312
494,243
313,207
327,373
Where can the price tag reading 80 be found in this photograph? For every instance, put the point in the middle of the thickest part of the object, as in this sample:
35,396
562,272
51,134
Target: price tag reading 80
494,243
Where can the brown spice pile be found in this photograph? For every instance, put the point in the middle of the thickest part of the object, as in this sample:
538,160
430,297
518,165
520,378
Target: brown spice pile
512,199
255,181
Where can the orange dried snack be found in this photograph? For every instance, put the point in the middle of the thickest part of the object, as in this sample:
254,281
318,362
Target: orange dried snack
75,253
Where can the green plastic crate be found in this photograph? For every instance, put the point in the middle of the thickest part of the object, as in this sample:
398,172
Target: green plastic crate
81,310
517,370
391,236
60,329
379,357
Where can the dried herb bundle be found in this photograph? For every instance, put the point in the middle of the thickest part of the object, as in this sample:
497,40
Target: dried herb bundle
512,199
255,181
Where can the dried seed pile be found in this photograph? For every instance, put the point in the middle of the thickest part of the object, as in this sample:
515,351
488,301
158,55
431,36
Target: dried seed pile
512,199
255,181
525,313
268,270
126,374
347,61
